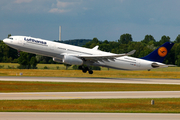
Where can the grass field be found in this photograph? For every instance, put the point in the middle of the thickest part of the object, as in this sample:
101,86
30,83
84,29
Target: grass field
169,105
164,105
97,74
39,66
62,67
8,86
171,72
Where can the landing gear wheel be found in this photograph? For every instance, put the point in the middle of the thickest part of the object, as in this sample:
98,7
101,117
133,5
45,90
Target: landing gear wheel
84,70
80,67
90,72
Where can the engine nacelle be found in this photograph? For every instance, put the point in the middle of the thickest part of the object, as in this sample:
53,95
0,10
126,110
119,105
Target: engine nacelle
57,60
72,60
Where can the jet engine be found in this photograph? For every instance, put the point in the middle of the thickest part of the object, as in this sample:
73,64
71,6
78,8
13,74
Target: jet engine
72,60
57,60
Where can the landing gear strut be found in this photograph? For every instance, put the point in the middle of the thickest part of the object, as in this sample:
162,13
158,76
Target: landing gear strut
85,69
18,53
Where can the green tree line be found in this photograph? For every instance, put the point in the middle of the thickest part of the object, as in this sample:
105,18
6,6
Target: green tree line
125,44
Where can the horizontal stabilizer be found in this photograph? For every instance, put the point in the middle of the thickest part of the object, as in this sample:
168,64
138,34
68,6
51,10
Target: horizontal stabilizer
155,65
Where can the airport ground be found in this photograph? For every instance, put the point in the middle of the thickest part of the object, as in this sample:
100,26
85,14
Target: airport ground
170,73
168,104
78,85
86,116
62,67
143,105
122,96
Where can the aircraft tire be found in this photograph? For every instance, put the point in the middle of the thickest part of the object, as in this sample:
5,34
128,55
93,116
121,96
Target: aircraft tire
80,68
90,72
84,70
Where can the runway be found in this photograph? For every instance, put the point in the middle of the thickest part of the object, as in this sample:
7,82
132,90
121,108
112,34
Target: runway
89,95
86,116
93,80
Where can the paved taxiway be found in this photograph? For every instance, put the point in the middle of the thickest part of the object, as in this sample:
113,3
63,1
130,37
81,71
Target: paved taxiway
89,95
93,80
86,116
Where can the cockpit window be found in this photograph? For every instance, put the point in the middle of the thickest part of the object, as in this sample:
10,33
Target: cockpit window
11,38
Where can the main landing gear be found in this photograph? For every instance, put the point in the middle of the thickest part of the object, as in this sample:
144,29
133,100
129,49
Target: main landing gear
85,69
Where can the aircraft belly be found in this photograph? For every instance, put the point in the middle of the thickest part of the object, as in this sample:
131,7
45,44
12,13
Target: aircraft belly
120,64
125,65
12,45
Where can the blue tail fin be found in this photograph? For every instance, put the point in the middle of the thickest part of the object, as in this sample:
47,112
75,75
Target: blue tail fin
160,53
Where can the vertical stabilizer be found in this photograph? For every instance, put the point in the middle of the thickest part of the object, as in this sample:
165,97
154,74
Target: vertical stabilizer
160,53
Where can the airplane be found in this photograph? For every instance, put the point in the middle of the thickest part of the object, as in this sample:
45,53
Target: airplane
85,57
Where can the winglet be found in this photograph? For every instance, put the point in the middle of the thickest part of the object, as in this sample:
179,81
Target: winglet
95,48
131,52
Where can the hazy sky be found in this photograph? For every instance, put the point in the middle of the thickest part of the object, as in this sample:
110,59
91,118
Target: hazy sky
104,19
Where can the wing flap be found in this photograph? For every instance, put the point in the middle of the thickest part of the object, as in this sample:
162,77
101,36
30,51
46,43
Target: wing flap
104,57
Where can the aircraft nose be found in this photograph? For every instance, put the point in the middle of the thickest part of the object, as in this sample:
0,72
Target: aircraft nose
5,40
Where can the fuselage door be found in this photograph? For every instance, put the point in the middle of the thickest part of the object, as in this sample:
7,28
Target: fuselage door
52,46
20,40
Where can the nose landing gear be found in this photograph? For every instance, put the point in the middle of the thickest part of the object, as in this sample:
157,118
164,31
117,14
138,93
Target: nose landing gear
18,52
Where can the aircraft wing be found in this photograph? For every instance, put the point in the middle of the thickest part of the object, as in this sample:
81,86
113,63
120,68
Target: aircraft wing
104,57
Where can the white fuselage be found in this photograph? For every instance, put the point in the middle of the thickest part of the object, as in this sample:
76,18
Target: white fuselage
58,50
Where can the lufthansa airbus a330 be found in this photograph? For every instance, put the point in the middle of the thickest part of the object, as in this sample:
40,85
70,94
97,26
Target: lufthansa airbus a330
81,56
